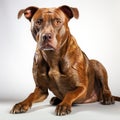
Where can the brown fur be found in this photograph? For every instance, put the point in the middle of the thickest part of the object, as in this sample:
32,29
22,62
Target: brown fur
60,65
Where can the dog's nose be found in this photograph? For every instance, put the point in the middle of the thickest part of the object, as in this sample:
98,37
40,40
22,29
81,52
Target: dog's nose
47,36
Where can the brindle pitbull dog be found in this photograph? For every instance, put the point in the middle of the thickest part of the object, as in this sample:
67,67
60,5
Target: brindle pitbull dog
60,65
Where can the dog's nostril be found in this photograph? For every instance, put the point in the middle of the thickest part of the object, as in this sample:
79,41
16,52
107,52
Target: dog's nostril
47,36
44,37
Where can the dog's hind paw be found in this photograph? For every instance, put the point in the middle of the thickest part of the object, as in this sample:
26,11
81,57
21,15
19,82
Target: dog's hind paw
107,99
55,101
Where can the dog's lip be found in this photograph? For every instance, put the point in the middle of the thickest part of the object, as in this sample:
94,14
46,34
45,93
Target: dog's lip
47,46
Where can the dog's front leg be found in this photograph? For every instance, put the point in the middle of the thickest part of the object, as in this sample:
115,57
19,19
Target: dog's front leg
40,93
65,106
37,95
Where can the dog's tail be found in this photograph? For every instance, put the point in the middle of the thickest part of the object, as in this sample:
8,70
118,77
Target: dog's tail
116,98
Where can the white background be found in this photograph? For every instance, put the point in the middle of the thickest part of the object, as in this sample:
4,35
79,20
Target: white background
97,32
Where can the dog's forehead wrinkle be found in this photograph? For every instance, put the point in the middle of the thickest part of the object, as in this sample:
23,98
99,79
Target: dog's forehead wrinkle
48,10
51,12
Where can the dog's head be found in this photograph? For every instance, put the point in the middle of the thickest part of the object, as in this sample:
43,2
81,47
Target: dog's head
49,26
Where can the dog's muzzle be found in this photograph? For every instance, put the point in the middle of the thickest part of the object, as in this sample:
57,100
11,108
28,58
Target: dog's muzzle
46,41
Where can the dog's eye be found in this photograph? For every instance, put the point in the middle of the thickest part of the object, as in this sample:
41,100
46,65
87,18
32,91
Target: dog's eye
39,21
57,22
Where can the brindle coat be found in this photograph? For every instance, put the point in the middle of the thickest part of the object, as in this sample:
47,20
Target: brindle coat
60,65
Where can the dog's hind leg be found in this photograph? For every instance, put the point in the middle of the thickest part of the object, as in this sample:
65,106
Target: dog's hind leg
101,83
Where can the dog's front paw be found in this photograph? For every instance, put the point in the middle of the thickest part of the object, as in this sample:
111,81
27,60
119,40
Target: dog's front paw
20,108
63,109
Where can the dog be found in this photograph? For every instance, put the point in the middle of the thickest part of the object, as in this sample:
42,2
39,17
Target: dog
60,65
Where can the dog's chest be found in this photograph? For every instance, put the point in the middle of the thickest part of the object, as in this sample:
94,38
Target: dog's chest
62,77
60,83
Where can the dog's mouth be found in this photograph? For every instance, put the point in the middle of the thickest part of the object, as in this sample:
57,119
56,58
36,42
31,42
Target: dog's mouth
47,46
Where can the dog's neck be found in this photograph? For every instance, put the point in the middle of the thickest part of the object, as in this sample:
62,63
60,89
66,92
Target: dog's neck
52,57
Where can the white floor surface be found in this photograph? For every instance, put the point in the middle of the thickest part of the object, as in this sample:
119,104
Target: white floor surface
44,111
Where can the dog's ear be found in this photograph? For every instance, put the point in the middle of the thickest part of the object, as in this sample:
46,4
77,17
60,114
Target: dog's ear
70,11
28,12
